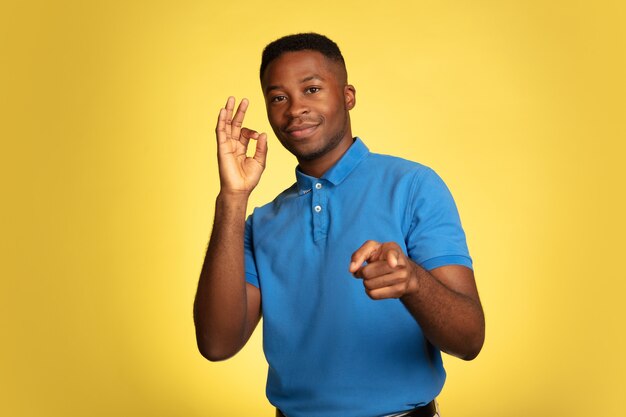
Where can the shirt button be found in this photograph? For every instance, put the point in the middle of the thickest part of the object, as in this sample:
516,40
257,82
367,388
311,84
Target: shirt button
318,185
317,209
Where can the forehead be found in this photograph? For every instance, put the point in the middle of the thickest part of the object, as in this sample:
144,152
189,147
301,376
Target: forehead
298,65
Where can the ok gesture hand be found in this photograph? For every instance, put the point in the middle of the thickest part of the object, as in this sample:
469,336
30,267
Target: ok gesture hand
238,172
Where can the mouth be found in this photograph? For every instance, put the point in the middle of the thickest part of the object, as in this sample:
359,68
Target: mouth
301,131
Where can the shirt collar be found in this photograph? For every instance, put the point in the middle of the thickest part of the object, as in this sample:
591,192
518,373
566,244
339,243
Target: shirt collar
338,172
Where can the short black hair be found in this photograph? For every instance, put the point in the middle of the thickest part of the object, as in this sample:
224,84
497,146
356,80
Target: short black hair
300,42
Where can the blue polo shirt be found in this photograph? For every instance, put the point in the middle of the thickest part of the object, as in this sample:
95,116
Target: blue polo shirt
332,351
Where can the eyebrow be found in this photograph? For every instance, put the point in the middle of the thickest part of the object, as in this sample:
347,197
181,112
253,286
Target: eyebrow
304,80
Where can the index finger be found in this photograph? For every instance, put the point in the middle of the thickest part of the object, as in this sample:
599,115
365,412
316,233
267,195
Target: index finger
366,252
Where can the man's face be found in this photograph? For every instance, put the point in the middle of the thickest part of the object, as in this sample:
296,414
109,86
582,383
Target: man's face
307,103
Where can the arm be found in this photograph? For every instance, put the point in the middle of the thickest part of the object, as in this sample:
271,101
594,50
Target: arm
226,308
443,301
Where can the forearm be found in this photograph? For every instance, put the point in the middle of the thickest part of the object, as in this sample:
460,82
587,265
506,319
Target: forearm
450,320
220,307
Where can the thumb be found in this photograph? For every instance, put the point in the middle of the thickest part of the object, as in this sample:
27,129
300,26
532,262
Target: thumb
260,154
392,258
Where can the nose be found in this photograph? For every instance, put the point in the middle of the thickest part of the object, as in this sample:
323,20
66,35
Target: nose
297,107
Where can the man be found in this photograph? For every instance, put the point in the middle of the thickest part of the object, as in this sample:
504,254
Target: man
360,269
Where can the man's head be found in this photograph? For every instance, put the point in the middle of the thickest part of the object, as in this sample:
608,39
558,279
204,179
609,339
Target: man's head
307,97
301,42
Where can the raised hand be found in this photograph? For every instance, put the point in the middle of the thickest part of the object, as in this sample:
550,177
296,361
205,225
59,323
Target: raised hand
238,172
389,273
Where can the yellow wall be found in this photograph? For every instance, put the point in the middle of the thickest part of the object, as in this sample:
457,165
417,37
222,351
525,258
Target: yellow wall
109,178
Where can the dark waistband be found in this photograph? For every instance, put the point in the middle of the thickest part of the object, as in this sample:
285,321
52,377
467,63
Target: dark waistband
427,410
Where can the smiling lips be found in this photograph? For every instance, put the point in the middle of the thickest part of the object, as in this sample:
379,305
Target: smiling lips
300,131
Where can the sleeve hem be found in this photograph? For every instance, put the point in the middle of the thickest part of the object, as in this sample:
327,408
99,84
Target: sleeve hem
438,261
252,279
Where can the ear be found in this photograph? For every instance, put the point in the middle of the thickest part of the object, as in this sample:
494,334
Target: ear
349,94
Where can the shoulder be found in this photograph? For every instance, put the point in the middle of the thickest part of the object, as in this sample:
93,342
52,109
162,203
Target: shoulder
393,162
395,168
273,206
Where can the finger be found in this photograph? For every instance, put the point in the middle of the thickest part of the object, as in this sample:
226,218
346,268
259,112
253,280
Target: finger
230,105
394,291
366,253
237,121
393,254
383,281
260,153
392,257
246,135
374,270
220,129
385,293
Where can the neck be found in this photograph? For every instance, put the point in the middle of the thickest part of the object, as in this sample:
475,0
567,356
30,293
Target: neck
318,166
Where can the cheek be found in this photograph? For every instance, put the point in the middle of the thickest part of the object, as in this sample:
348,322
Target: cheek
273,116
335,112
339,103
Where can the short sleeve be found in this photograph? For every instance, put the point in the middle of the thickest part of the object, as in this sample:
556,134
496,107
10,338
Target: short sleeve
252,275
435,237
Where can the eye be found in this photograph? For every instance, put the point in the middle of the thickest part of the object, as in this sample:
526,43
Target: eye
312,90
277,99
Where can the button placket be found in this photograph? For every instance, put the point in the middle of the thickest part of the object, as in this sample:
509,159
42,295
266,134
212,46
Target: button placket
320,213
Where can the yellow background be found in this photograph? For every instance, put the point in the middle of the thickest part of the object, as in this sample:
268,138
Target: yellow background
109,178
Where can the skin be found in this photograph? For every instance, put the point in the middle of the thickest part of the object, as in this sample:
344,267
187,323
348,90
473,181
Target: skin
308,102
226,308
444,301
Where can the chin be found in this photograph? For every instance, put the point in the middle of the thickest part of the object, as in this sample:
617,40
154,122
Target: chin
309,153
309,156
